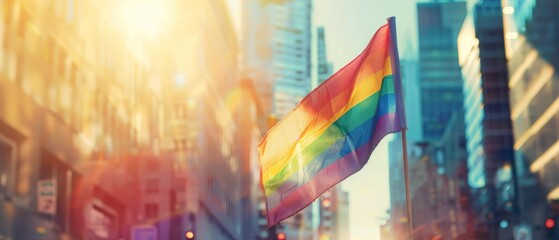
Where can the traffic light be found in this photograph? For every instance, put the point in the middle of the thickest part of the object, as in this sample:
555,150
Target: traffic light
281,236
551,228
549,223
189,235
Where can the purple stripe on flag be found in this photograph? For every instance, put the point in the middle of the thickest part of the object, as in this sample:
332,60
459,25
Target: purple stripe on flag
281,207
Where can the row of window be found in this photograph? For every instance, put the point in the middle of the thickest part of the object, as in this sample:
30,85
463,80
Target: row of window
221,167
152,185
537,106
542,140
48,71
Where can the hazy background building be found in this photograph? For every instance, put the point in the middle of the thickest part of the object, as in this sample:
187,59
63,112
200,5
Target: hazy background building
439,188
491,170
333,214
324,68
531,36
278,51
136,123
433,93
439,73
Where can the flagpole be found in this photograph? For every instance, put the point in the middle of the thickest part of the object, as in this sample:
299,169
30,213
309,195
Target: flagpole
407,183
395,60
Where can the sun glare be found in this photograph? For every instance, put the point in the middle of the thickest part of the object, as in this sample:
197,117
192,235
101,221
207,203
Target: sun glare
144,17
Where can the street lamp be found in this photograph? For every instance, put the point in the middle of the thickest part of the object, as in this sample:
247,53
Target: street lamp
326,203
189,235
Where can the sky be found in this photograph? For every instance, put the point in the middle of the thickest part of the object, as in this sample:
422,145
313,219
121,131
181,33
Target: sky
349,25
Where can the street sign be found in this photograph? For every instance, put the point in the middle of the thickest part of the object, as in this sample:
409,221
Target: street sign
46,196
522,232
144,232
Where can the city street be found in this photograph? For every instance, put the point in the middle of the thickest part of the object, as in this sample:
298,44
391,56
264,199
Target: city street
279,120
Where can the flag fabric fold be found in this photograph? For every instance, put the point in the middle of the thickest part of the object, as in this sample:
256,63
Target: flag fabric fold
332,132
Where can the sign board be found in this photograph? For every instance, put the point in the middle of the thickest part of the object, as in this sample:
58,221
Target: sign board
46,196
522,232
99,220
144,232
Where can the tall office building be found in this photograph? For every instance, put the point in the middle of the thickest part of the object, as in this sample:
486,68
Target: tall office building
531,36
204,134
489,134
432,99
81,88
277,52
438,188
247,114
342,215
333,214
68,101
325,68
440,80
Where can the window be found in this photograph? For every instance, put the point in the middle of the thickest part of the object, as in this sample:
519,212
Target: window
7,161
180,184
152,164
10,139
151,210
152,186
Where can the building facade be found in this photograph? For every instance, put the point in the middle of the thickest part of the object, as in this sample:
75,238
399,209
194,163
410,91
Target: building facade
324,69
132,123
533,59
436,156
69,98
439,190
438,173
277,52
439,73
491,166
333,214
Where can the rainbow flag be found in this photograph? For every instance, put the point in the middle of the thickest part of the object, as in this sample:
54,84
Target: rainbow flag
332,132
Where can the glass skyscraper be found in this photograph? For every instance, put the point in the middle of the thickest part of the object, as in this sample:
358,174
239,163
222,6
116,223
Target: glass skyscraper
532,36
487,117
278,52
440,80
532,48
325,68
